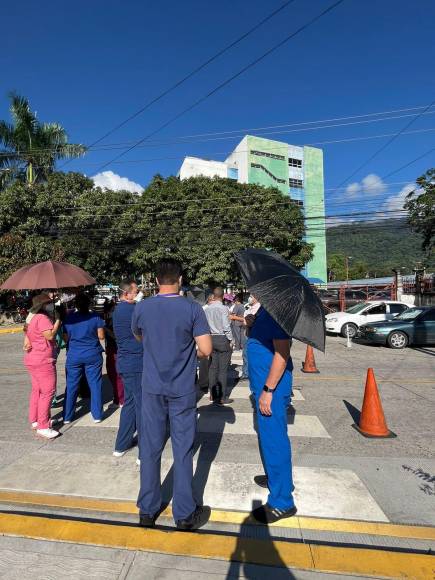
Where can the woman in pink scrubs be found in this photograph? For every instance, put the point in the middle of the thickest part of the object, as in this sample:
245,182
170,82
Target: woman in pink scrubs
40,361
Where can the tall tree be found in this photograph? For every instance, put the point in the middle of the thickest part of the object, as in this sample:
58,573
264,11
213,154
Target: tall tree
30,148
203,221
421,209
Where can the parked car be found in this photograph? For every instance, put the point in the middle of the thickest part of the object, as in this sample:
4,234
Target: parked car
331,298
413,326
348,322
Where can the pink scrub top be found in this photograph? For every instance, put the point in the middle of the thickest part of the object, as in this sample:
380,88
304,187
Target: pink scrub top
43,351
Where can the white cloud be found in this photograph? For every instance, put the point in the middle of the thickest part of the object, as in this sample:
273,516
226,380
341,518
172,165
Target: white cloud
372,184
110,180
395,202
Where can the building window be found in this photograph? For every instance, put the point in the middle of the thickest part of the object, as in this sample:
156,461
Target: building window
294,162
233,173
266,154
297,202
297,183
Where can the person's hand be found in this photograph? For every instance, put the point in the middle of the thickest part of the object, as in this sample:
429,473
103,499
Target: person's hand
27,347
265,403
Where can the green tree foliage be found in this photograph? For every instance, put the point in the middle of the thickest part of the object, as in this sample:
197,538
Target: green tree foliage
204,221
377,247
337,268
117,233
65,218
421,209
30,149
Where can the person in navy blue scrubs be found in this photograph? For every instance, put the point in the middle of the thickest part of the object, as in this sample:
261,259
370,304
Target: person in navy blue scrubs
129,367
270,375
173,331
83,332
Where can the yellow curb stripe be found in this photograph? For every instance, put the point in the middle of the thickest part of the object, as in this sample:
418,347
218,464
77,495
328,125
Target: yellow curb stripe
14,330
225,517
229,548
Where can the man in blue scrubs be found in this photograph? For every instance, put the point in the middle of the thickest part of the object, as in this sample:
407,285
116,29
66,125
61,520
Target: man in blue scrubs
173,331
270,375
129,367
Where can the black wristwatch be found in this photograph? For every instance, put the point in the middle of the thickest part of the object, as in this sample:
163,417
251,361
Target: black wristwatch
267,389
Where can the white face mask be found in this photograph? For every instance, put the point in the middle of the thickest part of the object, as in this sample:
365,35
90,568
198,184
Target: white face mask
49,308
250,300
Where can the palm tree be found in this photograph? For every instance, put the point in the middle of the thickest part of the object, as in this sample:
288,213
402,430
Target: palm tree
30,148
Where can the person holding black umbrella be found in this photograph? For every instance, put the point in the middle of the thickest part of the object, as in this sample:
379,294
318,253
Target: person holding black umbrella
270,375
289,308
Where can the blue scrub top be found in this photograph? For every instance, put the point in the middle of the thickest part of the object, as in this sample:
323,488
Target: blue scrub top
168,325
82,331
261,351
130,351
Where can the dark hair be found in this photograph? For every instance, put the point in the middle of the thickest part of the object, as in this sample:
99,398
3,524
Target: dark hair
239,297
218,292
125,286
82,303
168,271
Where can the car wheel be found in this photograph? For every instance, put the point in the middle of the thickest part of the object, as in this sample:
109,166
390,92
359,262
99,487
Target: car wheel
397,339
349,329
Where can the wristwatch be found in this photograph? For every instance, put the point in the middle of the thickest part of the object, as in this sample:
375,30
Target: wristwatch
267,389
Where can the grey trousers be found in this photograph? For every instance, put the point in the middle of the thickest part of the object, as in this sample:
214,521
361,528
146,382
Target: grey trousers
219,365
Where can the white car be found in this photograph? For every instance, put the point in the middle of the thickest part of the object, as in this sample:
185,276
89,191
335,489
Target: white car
347,322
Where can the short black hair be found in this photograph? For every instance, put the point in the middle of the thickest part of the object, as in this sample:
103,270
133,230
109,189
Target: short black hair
82,302
168,271
218,292
125,286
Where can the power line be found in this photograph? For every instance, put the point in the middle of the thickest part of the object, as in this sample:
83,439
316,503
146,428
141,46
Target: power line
227,81
194,72
409,163
388,143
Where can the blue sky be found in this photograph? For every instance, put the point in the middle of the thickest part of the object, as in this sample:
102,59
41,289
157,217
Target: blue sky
89,65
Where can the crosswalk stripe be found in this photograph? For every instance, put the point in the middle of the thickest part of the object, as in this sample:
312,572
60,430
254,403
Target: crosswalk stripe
214,419
320,492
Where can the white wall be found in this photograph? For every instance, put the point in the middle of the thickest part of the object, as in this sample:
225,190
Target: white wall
194,166
239,160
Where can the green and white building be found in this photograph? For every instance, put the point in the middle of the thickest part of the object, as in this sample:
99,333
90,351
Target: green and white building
294,170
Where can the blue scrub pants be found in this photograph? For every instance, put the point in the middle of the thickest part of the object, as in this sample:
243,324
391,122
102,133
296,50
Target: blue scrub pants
155,412
129,421
274,442
91,366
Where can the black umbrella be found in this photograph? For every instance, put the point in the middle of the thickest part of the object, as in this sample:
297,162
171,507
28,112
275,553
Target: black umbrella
285,294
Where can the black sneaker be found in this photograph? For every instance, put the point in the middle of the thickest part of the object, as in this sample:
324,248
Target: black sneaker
225,401
146,521
196,520
262,480
266,514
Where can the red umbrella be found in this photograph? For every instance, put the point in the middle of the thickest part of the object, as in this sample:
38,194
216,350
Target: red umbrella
48,275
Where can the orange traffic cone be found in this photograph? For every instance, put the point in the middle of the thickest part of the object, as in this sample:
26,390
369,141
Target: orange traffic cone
372,421
309,366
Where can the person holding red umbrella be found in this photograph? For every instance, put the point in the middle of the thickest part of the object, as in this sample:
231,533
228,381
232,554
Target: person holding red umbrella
40,360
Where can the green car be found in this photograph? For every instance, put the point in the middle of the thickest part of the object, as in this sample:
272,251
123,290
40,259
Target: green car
414,326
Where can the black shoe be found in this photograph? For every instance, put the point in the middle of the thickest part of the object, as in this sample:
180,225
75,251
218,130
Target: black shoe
262,480
146,521
225,401
267,514
196,520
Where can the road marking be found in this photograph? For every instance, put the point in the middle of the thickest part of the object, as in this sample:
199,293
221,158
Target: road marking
306,555
320,492
223,516
14,330
214,419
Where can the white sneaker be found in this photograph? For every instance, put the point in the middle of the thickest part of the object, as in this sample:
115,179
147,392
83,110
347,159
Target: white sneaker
35,425
97,420
66,422
47,433
118,453
138,461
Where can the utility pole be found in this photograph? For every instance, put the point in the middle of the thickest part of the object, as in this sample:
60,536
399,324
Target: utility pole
347,258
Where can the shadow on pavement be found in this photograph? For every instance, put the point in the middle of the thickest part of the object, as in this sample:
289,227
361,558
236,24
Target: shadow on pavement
246,551
353,411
